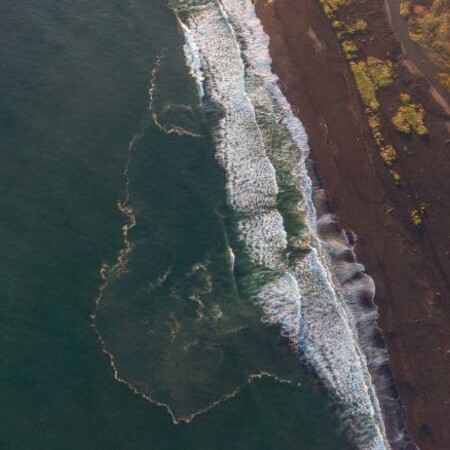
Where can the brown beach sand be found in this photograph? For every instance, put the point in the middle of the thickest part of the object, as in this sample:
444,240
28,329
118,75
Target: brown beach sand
411,268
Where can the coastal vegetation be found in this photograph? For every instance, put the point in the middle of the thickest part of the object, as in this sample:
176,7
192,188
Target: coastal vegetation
365,85
409,117
330,7
344,30
380,71
350,49
404,8
373,73
416,218
359,26
388,155
370,75
444,79
395,176
417,215
429,26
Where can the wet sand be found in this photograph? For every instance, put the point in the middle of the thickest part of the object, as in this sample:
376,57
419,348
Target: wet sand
411,268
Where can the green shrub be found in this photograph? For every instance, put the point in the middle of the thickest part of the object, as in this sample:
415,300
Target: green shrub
409,117
365,85
404,8
416,218
444,79
388,155
417,215
350,49
380,71
395,176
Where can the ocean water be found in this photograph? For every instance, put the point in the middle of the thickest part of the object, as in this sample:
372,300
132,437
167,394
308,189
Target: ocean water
163,281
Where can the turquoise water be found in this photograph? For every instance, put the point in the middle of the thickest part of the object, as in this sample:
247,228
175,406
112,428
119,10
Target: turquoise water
74,89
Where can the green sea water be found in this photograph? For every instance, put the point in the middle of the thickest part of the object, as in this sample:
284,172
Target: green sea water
74,89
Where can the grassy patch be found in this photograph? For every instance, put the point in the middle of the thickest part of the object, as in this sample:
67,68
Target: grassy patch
360,26
404,8
371,75
444,79
365,85
395,176
388,155
350,49
416,218
331,7
430,27
380,71
417,215
336,4
410,117
375,128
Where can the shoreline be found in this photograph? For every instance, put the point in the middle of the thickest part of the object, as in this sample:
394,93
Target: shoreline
358,292
410,268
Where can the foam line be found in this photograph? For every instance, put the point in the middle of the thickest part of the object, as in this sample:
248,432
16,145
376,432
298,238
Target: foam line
249,99
251,179
350,291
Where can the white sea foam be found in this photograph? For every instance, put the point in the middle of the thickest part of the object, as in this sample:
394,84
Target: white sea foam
265,237
328,338
325,332
251,180
279,300
193,58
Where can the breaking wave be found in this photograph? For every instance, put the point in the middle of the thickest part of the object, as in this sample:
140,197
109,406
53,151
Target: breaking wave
318,294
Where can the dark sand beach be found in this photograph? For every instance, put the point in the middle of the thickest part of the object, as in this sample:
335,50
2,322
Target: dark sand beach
410,266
